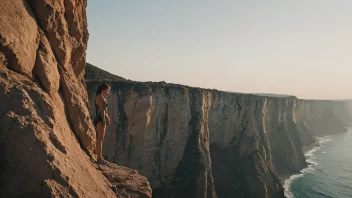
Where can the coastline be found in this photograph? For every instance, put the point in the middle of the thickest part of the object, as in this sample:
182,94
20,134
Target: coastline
305,150
286,180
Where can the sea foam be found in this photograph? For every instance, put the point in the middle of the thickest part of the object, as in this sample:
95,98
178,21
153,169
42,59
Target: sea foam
311,165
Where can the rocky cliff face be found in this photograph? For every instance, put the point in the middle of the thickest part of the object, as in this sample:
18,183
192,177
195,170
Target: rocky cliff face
316,118
343,111
192,142
47,140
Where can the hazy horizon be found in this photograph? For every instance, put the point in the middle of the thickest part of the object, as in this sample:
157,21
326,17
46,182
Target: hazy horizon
278,47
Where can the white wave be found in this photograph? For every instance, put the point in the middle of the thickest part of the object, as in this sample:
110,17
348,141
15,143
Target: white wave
323,152
288,182
310,169
311,152
318,143
287,185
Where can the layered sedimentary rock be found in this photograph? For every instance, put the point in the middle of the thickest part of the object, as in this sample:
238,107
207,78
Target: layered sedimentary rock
47,140
192,142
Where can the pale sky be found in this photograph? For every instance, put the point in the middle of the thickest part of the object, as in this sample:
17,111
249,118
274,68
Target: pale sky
295,47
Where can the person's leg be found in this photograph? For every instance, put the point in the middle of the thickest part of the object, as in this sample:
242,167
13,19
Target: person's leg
102,140
99,143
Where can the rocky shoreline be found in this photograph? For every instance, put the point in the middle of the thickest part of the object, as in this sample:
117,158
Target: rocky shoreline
305,150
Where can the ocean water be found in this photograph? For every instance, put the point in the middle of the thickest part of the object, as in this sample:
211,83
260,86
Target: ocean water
329,173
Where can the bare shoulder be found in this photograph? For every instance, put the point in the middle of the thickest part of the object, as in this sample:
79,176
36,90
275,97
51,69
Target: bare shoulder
99,99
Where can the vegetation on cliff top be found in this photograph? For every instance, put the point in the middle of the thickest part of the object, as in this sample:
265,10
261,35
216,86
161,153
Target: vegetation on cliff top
95,75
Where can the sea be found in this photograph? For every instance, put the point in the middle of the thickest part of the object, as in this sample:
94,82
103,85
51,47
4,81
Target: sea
329,173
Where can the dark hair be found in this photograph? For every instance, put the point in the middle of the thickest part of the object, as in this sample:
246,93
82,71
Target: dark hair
101,88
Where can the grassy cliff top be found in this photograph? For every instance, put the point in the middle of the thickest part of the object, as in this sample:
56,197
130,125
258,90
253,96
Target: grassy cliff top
95,76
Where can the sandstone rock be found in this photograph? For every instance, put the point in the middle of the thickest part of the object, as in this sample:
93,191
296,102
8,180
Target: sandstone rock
65,24
46,66
77,111
18,36
44,120
38,149
126,182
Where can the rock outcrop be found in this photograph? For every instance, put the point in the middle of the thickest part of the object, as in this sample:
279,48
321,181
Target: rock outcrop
192,142
47,139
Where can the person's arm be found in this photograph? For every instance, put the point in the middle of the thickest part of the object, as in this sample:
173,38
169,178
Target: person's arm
107,116
100,103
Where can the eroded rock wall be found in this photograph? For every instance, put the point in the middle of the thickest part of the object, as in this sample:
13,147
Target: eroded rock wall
47,140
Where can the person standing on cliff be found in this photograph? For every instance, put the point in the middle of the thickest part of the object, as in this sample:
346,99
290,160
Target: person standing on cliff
101,119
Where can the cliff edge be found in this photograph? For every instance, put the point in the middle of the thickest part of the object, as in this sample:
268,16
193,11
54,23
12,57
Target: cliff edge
192,142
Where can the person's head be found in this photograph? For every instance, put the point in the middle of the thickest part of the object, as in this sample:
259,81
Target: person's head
103,89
